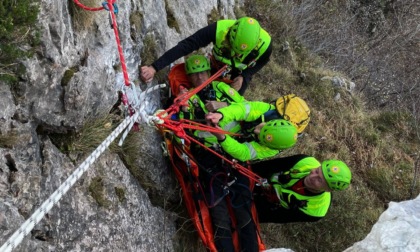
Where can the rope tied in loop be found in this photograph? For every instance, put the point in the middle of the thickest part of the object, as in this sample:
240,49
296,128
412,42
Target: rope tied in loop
114,5
87,8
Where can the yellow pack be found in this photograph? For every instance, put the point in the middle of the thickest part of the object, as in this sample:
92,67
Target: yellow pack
295,110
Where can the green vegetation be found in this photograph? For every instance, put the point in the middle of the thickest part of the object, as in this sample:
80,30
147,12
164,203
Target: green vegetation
120,192
97,191
83,142
213,16
136,20
68,74
148,54
7,141
89,137
18,36
83,19
380,145
171,20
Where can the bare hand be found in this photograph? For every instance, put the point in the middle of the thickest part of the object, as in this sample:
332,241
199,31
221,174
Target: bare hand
183,90
237,83
212,106
213,118
219,136
147,73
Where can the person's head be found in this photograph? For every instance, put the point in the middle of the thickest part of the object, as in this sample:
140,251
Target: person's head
277,134
244,35
197,68
337,174
332,175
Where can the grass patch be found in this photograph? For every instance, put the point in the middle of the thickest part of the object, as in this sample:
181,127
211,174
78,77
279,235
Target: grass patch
19,36
89,137
171,20
380,146
83,20
186,236
149,51
9,140
213,16
120,192
97,191
68,74
94,133
136,20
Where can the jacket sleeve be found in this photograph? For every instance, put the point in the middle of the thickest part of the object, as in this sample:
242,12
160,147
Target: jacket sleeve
245,111
270,213
246,151
230,93
201,38
262,61
267,168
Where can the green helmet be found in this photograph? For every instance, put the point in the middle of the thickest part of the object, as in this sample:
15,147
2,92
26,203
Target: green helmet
278,134
244,35
337,174
196,64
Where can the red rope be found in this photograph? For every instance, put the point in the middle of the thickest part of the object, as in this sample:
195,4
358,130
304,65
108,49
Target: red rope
117,38
182,99
178,128
110,5
241,169
87,8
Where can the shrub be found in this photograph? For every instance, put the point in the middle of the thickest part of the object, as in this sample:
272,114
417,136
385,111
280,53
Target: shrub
17,30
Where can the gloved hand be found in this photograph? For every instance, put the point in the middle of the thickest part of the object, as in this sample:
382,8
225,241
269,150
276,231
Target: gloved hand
294,203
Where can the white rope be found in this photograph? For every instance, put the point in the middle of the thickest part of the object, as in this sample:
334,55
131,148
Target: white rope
139,104
37,216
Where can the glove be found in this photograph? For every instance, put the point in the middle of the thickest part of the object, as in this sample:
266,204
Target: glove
295,204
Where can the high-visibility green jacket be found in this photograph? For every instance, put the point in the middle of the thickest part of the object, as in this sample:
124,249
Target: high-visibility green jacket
231,121
222,54
315,205
216,91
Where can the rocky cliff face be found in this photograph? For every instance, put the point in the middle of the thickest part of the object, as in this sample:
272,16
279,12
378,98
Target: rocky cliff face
75,76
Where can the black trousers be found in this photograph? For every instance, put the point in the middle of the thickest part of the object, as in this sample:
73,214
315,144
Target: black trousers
237,196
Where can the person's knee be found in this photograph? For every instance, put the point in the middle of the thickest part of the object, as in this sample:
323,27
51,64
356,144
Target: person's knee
223,239
248,238
220,215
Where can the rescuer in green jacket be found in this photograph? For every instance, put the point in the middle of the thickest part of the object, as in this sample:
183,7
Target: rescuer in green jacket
214,96
300,188
242,44
265,140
